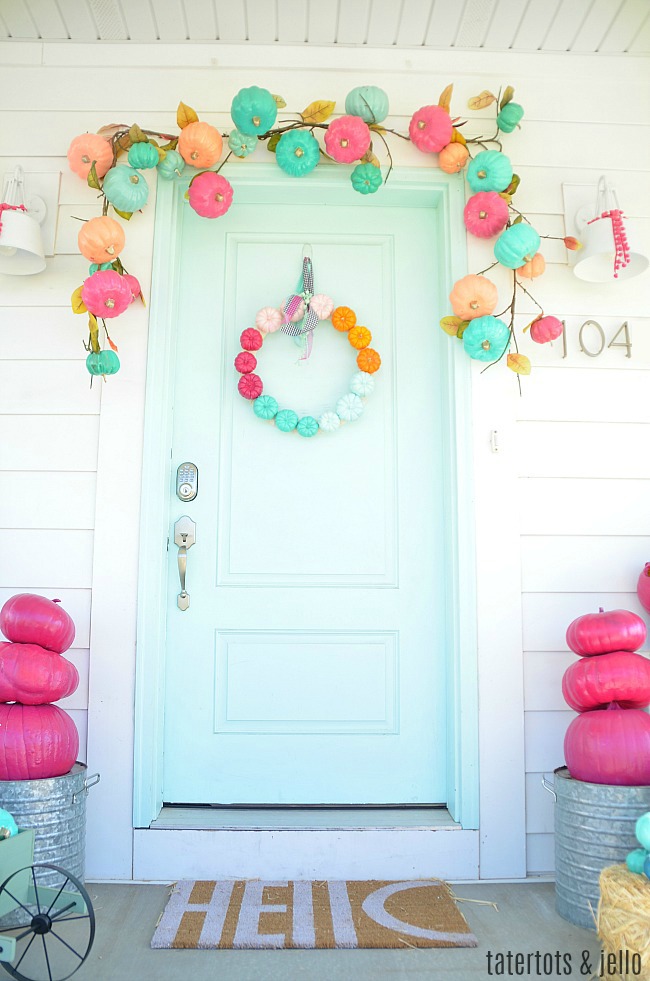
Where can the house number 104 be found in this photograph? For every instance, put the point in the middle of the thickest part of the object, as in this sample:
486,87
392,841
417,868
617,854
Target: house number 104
592,340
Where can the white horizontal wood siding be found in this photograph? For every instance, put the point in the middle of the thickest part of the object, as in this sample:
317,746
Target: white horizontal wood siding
562,523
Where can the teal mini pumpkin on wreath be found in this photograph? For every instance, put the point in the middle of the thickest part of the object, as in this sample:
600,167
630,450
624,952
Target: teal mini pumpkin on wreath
126,189
366,178
171,166
143,156
297,153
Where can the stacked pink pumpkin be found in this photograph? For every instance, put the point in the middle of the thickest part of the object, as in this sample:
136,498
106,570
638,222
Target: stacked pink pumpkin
609,741
37,739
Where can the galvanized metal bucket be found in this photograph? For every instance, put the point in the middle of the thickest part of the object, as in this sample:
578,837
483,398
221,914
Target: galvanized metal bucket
594,827
56,809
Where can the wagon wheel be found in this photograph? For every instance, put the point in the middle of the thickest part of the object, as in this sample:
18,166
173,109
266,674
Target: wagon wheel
53,938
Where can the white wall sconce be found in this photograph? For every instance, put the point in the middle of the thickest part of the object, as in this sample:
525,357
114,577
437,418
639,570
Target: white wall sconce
610,251
27,223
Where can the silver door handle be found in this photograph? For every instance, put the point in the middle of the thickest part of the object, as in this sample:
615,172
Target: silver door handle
184,537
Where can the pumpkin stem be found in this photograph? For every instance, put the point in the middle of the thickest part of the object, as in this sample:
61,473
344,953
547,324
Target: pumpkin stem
56,600
600,609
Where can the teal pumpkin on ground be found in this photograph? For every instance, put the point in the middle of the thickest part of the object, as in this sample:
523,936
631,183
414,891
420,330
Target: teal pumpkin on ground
635,860
486,338
240,144
171,166
509,116
126,189
366,178
103,363
253,110
516,245
143,156
297,152
490,170
368,101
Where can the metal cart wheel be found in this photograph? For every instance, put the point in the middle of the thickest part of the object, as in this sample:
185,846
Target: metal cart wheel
57,930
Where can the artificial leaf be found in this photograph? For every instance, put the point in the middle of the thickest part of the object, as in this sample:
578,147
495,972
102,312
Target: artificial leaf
123,214
445,97
377,128
461,330
514,184
93,179
142,299
273,142
108,132
457,137
572,243
519,363
279,101
518,220
533,321
506,197
450,325
507,96
170,146
154,143
93,327
124,143
185,115
161,154
77,304
371,158
114,346
136,135
187,195
482,101
318,112
117,266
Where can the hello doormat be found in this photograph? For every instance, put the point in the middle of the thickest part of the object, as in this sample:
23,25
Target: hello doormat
257,915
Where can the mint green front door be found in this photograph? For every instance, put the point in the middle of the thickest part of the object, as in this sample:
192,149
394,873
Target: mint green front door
309,667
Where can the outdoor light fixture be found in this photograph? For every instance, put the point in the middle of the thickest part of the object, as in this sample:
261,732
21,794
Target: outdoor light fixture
21,242
607,253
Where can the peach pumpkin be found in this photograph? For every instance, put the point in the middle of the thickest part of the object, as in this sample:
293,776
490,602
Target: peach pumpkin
453,157
473,296
89,148
101,239
534,267
200,144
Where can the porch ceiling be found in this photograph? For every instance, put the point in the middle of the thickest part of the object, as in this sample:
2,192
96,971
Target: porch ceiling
577,26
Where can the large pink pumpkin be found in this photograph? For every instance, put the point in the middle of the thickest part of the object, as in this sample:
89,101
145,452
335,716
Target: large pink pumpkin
106,293
36,742
431,129
620,676
546,329
210,194
347,139
28,618
33,676
602,632
486,214
643,587
610,746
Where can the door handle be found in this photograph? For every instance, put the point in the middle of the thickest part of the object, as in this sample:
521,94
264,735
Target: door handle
184,537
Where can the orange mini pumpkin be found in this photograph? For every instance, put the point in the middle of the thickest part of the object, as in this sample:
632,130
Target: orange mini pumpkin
453,157
368,360
200,144
473,296
534,267
87,148
359,337
101,239
344,319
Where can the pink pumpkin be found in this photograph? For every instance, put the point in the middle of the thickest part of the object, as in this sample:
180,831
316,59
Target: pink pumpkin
28,618
133,285
594,682
36,742
431,129
486,214
106,294
251,339
643,587
33,676
250,386
602,632
610,746
245,362
210,194
546,329
347,139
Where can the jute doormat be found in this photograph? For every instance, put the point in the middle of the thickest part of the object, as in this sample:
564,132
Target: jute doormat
257,915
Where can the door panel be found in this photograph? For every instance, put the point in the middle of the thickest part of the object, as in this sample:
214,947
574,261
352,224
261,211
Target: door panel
309,667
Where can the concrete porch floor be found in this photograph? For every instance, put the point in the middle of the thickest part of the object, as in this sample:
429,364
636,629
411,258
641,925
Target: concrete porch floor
526,921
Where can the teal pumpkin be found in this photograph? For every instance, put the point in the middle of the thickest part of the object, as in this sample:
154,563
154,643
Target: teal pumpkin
509,117
635,860
103,363
486,338
369,102
240,144
171,166
143,156
126,189
307,426
297,152
516,245
286,420
7,823
490,170
253,110
265,407
95,267
366,178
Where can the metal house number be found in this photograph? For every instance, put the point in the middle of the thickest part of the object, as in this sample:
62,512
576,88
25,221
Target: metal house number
592,340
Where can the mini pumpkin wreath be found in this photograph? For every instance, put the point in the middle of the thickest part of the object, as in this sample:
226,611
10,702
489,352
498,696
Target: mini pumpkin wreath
298,316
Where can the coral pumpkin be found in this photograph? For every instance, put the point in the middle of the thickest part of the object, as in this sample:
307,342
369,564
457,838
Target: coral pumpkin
453,157
36,742
33,676
28,618
602,632
473,296
87,149
610,746
620,676
101,239
534,267
200,144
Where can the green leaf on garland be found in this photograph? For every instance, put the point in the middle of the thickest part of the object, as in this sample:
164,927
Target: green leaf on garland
519,363
450,325
77,304
187,195
161,154
481,101
518,220
185,115
461,330
318,112
136,135
118,267
377,128
93,179
279,101
123,214
273,142
514,184
170,146
507,96
506,197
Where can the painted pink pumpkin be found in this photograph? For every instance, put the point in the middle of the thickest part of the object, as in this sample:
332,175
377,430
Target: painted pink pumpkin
210,194
250,386
268,319
245,362
603,632
29,618
546,329
106,294
347,139
251,339
431,129
594,682
643,587
609,746
486,214
133,285
33,676
38,742
322,306
473,296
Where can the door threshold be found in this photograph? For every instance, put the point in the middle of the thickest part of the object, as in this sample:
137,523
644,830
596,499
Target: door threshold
176,818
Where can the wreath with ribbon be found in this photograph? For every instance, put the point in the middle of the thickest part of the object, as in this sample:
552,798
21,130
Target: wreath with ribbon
298,316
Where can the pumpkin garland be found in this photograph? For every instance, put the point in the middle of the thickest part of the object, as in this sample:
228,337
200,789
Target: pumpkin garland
346,140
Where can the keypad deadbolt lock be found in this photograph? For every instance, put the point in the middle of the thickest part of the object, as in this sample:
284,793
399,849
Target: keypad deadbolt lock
187,481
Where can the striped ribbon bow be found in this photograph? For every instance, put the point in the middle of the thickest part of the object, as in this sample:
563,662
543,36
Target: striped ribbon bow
302,330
